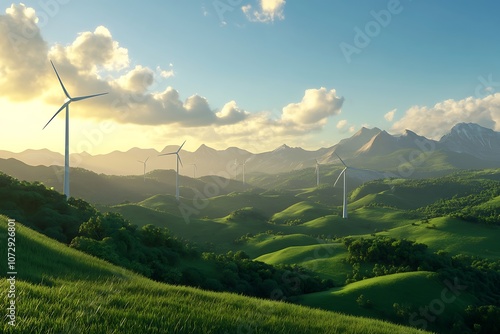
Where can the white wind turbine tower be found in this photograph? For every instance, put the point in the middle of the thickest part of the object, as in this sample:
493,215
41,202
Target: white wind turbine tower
177,170
244,164
235,169
343,172
194,170
344,197
317,172
66,104
144,163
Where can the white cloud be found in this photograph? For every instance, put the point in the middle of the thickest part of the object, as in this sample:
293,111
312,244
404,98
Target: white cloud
165,73
137,80
268,11
316,106
97,48
390,115
433,122
341,124
22,49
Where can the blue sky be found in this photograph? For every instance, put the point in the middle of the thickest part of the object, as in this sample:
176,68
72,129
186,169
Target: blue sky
422,63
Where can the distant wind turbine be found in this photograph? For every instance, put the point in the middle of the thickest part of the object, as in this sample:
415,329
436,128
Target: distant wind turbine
344,197
144,162
243,165
177,170
66,104
194,170
317,172
235,169
344,172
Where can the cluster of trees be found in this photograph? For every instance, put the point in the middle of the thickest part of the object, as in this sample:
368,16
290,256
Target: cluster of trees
42,209
241,275
383,255
470,208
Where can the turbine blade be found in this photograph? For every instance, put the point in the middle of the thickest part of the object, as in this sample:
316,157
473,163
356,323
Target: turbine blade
178,157
340,159
363,170
60,81
79,98
167,153
342,172
180,147
140,161
146,160
57,112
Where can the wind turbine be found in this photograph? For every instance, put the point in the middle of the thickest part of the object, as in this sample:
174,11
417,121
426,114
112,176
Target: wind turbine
317,172
344,197
144,162
243,164
343,172
235,169
194,170
177,170
66,104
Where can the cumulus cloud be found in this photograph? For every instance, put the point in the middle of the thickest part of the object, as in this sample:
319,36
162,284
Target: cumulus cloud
268,11
390,115
137,80
341,124
23,54
433,122
314,109
91,49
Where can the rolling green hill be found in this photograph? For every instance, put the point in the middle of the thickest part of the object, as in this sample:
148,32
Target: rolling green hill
268,243
60,290
410,291
453,236
300,213
326,259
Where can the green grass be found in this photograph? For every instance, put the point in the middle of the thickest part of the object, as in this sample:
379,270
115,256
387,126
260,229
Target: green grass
453,236
327,260
413,290
300,213
265,243
221,206
60,290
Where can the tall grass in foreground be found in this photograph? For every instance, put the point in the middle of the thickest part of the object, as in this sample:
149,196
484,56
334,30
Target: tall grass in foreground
60,290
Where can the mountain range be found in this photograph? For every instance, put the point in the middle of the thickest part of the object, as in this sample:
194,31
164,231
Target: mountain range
466,145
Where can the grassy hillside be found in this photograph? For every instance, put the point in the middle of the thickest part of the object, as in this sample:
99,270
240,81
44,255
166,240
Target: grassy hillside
398,297
326,259
60,290
453,236
300,213
267,243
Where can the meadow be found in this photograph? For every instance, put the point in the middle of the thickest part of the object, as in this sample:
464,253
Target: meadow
61,290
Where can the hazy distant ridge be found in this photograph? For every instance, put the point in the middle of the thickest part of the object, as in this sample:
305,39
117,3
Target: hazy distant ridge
471,141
